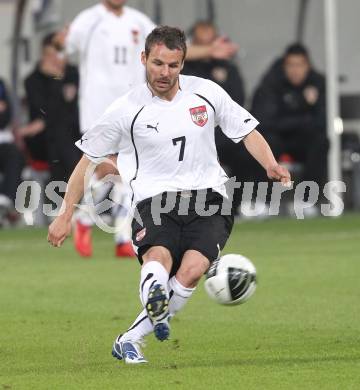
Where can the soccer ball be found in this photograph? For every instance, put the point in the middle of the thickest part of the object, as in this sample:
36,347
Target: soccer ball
231,280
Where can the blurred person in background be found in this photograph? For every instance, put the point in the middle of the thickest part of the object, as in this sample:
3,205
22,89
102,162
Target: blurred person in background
224,72
11,160
290,104
51,94
108,39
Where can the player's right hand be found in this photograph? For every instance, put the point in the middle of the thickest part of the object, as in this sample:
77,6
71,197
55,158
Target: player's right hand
59,229
60,37
223,49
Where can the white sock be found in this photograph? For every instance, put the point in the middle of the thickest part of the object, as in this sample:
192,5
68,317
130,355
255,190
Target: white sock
121,196
152,273
179,295
122,228
84,217
140,328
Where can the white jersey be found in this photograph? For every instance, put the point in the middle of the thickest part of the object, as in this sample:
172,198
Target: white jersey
109,54
168,145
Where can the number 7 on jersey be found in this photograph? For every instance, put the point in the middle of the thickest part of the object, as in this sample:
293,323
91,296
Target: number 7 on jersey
182,146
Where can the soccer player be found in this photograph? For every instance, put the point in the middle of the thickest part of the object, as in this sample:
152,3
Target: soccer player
163,132
108,39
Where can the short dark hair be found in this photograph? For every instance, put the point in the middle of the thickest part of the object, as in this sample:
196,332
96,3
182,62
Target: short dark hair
296,49
48,40
172,37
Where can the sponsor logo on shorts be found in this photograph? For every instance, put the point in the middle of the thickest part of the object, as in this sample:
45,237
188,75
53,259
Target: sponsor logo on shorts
140,235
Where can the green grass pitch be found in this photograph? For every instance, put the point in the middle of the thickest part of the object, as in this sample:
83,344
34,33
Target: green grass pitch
59,315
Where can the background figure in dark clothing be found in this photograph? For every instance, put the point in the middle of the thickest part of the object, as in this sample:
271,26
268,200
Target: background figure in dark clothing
235,159
290,104
11,161
51,91
222,72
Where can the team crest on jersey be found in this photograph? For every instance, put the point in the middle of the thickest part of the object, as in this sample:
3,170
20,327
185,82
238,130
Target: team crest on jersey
140,235
199,115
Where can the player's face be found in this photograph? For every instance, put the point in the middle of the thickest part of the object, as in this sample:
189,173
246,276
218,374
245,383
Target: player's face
52,57
163,67
204,35
296,68
115,4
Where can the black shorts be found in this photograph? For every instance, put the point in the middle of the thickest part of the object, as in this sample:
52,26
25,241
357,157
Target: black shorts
179,233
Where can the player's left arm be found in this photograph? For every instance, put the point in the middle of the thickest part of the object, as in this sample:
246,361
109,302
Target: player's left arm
257,146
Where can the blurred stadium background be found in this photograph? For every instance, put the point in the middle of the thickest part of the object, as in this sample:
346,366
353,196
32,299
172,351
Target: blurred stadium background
59,313
262,29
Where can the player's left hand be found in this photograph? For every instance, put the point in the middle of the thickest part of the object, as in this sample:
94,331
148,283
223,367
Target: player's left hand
279,173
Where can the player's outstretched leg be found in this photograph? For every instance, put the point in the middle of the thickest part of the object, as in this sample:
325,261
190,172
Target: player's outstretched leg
157,307
127,346
155,297
160,309
82,238
123,245
94,195
83,219
142,326
122,220
128,350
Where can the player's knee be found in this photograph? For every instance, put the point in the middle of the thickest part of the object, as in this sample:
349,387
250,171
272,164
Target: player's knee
160,254
190,275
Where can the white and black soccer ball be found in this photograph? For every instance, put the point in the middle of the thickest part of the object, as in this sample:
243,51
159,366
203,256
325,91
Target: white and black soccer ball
231,280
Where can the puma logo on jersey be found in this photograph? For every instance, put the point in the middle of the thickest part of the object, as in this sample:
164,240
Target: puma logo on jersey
153,127
247,120
82,140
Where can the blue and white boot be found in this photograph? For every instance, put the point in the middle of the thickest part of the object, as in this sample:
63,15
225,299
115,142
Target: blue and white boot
157,308
129,351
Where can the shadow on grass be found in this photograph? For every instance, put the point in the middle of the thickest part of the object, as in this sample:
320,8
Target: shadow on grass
108,366
263,362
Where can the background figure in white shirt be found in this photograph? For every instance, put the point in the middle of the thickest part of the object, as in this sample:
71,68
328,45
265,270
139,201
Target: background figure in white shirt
164,134
108,39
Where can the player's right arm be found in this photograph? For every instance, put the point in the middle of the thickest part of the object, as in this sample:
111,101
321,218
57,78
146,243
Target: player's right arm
221,48
60,38
60,228
72,38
